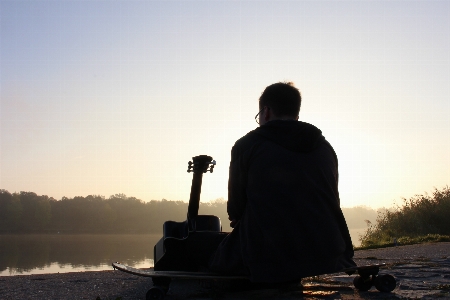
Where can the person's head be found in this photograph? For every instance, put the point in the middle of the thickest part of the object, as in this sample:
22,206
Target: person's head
279,101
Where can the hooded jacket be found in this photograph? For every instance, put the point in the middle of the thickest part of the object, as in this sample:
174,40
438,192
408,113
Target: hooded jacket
283,189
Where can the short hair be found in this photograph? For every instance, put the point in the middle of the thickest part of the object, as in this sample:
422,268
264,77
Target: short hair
283,98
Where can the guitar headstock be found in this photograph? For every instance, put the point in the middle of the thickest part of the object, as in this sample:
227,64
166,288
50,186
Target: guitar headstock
201,164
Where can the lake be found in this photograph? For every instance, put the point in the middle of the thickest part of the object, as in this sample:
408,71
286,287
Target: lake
40,254
53,253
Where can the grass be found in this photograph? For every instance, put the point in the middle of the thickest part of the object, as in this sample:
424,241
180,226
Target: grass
421,219
406,240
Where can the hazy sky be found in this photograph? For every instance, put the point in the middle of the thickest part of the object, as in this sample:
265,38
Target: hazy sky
106,97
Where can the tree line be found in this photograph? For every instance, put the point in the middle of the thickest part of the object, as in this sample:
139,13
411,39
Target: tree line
27,212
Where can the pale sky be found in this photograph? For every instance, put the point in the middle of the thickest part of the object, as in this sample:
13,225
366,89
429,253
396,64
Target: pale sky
107,97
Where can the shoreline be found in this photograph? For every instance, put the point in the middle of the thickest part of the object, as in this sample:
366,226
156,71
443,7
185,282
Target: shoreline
422,270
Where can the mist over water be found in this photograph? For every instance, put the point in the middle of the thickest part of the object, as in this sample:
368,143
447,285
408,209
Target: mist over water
38,254
45,254
23,254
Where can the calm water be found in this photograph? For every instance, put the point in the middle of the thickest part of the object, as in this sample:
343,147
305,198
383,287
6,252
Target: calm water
39,254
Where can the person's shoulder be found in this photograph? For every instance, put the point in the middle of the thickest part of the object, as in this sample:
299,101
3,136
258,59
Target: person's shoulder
247,141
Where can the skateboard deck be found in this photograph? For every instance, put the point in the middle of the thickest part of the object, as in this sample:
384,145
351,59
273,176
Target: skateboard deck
175,274
209,275
367,277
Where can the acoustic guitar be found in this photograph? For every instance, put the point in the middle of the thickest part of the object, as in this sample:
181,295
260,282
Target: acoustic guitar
187,245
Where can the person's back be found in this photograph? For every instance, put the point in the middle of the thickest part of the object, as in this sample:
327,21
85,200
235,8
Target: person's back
284,198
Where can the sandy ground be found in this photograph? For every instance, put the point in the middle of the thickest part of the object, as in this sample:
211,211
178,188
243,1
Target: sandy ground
415,266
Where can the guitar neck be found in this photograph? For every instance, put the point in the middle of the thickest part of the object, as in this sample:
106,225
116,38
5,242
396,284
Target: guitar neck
194,199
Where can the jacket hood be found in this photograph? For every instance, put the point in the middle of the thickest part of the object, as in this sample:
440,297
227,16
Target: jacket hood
293,135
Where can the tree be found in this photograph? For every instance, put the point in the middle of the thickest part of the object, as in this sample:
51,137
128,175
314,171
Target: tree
10,211
14,211
42,213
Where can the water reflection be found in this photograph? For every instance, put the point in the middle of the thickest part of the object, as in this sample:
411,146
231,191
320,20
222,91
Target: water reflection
37,254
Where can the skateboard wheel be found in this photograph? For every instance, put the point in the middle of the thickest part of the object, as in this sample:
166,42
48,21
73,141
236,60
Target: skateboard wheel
362,284
385,283
155,293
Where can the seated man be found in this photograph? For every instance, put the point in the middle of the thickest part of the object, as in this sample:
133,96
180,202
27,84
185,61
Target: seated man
283,198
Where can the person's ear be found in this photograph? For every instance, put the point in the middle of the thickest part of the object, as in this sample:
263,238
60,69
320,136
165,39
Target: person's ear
267,114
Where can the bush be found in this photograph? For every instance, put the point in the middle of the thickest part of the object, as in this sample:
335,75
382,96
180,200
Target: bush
422,218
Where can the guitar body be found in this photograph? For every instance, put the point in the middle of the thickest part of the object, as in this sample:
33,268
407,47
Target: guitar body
190,254
187,245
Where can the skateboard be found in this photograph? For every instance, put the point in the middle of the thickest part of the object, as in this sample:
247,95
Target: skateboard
367,277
